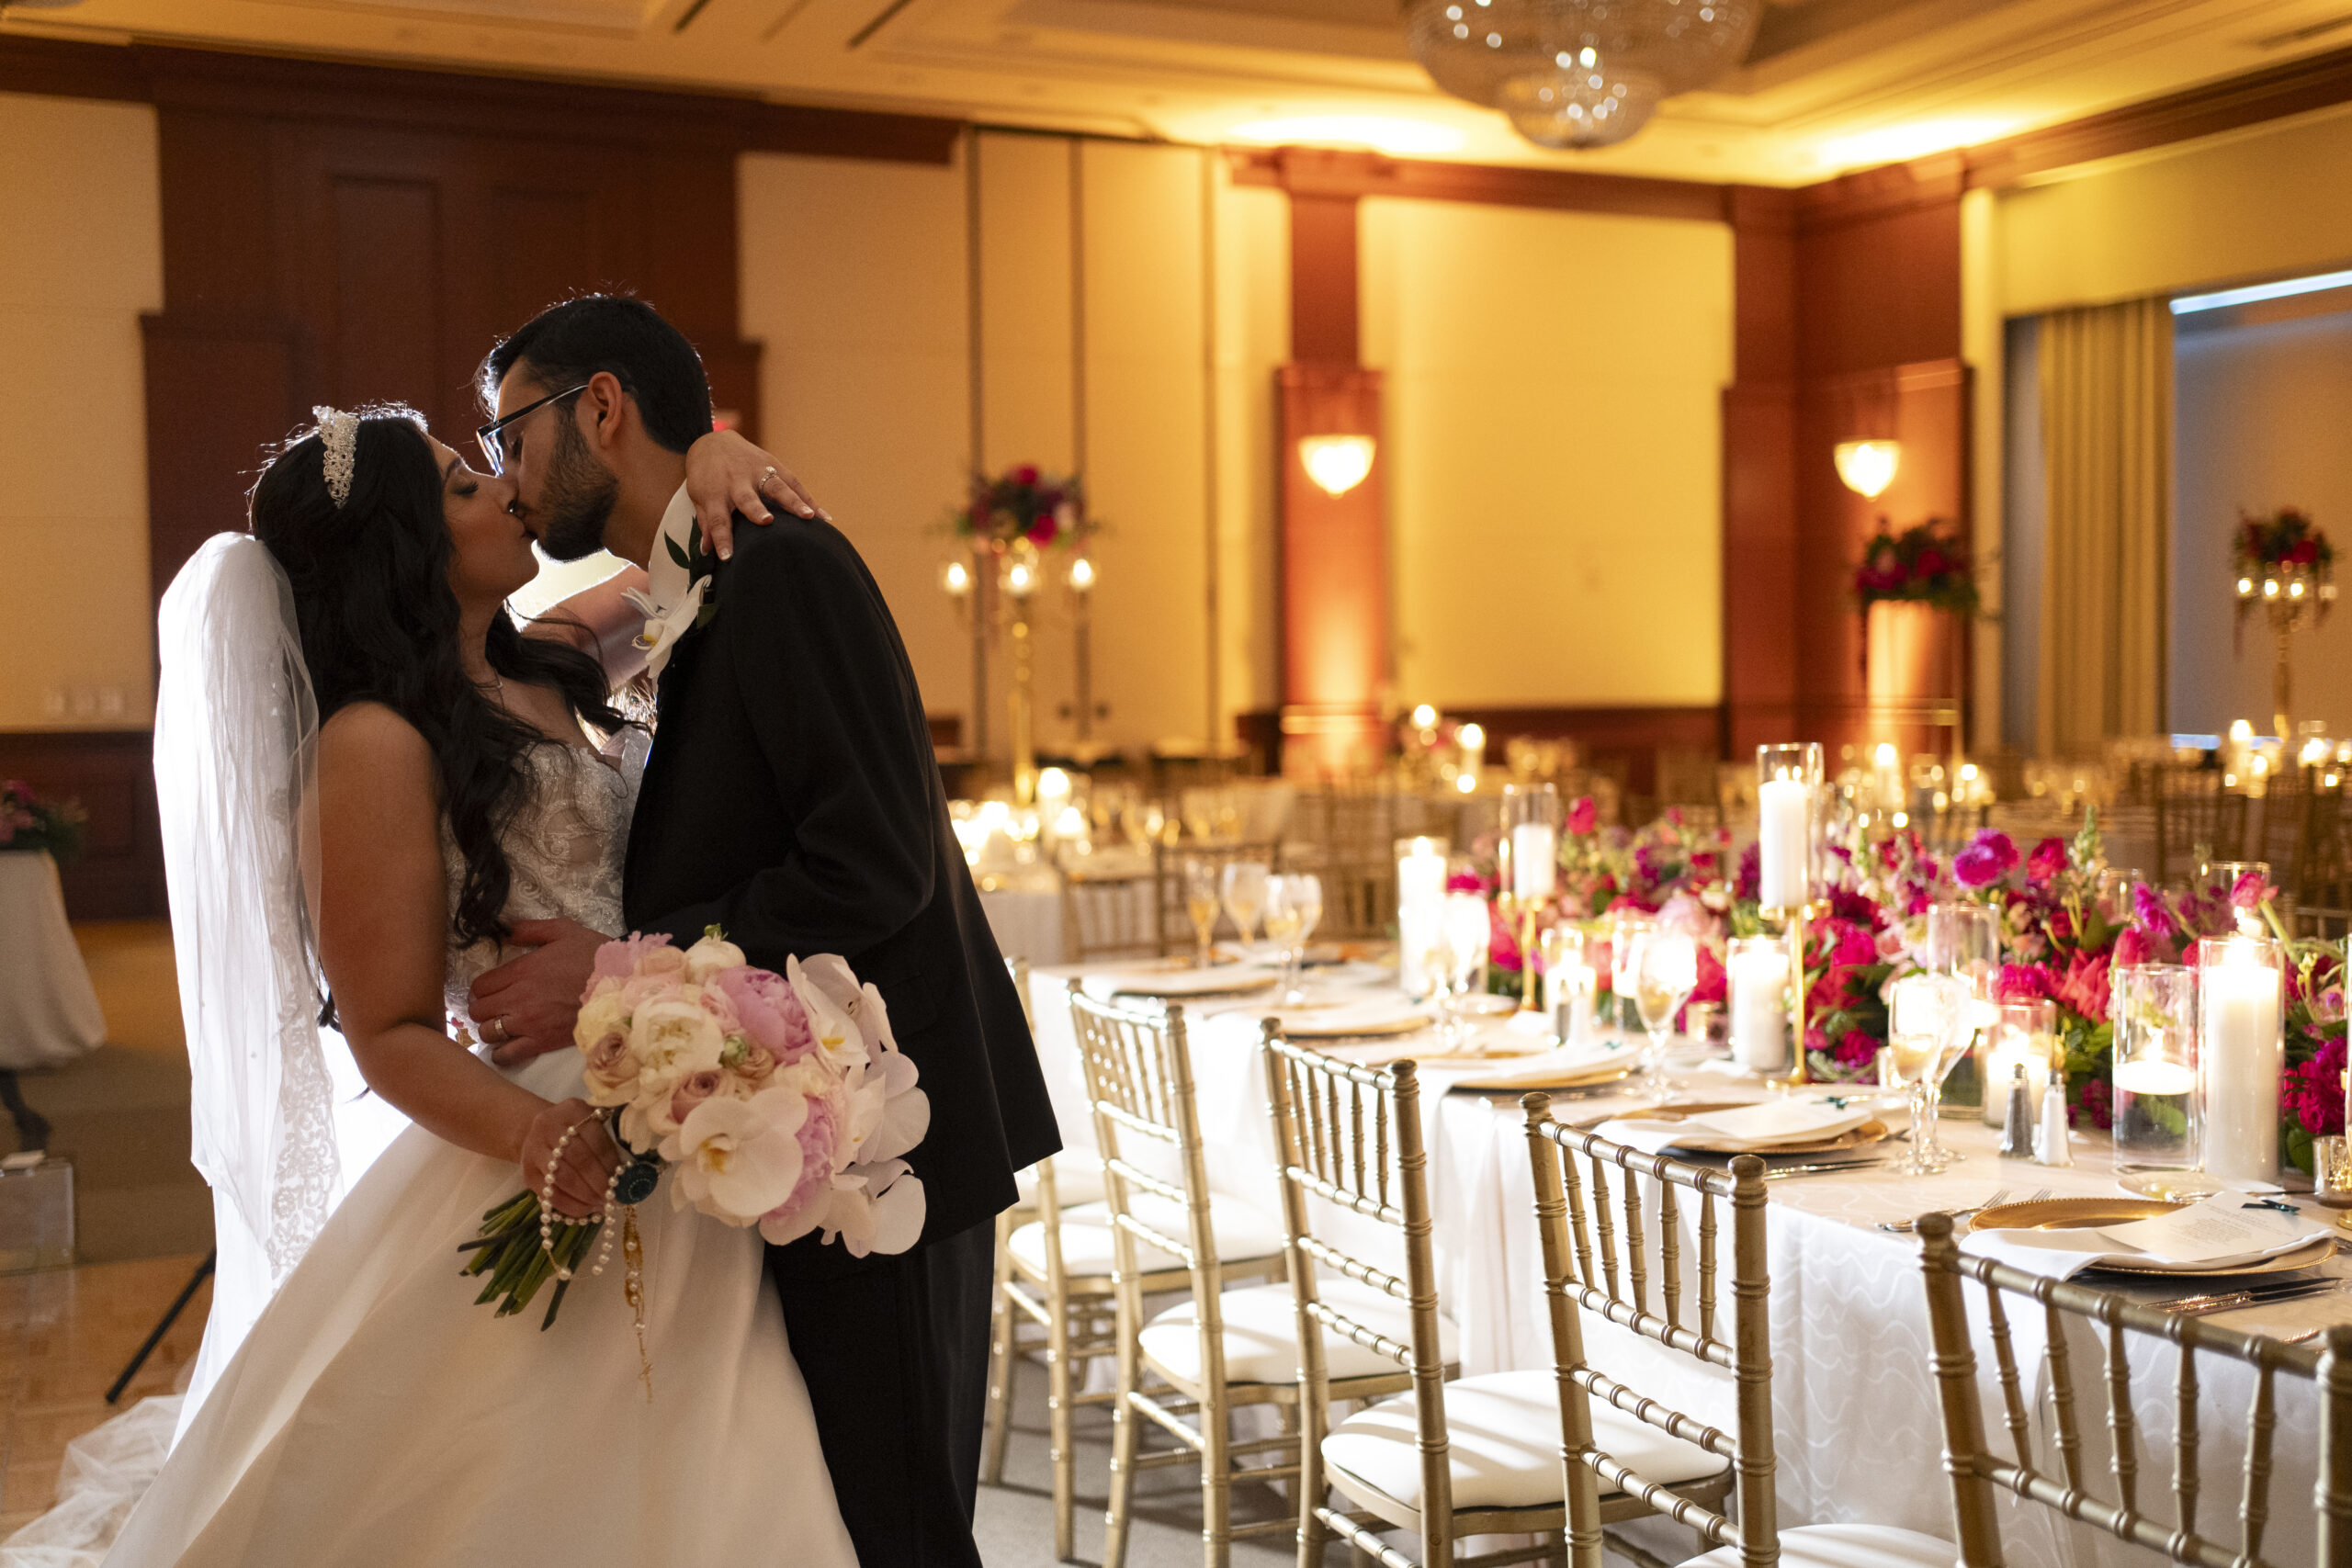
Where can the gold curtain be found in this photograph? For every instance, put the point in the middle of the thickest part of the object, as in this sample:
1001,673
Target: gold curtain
2107,450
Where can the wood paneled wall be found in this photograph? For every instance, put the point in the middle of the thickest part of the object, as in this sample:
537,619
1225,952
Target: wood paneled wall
347,235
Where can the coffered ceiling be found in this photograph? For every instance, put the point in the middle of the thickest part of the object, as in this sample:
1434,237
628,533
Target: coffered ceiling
1830,84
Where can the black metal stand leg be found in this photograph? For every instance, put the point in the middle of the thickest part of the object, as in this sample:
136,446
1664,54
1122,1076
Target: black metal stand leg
33,1127
171,1315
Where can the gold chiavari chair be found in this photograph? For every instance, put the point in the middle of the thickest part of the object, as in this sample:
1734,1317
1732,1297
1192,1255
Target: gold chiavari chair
1349,1137
1109,914
1140,1081
2283,812
2323,867
1625,1452
1347,836
1976,1471
2197,819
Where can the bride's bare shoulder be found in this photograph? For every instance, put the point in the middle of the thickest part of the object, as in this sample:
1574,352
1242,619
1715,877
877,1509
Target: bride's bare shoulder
367,741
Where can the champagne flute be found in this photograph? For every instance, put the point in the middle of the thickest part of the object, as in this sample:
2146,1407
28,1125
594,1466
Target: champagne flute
1201,902
1306,903
1964,941
1627,930
1468,933
1666,974
1282,915
1245,894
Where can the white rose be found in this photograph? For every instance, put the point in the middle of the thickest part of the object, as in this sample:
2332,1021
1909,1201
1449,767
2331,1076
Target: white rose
673,1036
711,954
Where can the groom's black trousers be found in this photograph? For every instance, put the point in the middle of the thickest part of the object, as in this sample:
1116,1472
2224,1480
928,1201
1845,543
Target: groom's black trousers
896,1358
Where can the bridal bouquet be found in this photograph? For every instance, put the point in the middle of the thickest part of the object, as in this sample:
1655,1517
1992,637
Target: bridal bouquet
776,1101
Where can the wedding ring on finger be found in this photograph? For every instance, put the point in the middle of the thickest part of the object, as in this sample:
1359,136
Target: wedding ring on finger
500,1037
768,475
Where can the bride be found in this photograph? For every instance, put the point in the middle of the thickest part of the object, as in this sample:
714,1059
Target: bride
468,775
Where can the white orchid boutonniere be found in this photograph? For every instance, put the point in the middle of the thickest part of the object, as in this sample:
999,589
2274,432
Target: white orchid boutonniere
695,607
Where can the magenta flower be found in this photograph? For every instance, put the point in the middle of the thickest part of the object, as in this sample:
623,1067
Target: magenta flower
2313,1092
2133,946
1584,817
2083,987
2250,892
1976,866
2148,910
2049,858
2025,983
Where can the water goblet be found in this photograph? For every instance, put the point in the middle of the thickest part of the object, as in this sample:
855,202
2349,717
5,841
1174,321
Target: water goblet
1666,974
1467,932
1306,891
1627,928
1927,1030
1283,923
1201,902
1245,894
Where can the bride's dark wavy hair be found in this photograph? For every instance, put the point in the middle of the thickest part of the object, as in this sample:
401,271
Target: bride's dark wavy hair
378,623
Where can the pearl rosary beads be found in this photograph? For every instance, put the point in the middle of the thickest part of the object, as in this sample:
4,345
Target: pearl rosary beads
549,1218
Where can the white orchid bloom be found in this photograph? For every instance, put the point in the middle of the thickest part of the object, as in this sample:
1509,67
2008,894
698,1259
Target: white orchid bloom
663,628
738,1158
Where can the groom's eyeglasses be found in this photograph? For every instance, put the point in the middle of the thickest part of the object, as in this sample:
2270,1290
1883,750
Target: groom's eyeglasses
494,438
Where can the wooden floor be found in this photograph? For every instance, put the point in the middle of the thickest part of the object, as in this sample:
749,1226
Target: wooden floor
64,1336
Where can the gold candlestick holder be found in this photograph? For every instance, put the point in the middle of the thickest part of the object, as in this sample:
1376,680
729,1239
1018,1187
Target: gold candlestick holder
1522,915
1791,924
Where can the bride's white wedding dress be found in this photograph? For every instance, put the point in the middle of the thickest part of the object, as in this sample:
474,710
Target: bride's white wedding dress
376,1416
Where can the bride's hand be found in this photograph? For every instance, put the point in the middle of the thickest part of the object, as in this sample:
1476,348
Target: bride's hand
726,474
587,1162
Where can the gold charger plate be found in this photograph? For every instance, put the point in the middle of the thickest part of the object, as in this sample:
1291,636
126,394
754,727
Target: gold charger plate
1608,1072
1142,985
2092,1213
1342,1029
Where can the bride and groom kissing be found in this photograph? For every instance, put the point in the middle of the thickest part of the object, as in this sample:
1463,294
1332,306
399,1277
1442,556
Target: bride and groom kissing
485,817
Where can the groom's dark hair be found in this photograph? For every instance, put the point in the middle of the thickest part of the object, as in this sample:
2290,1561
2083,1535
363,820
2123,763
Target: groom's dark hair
564,345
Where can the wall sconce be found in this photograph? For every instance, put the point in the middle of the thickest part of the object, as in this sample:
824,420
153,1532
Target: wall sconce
1868,467
1336,462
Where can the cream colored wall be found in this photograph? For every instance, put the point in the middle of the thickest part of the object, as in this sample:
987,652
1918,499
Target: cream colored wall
81,257
1553,450
854,276
1102,268
2266,202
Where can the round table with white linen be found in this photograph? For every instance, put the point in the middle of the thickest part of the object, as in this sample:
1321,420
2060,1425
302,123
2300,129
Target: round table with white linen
48,1014
1854,1394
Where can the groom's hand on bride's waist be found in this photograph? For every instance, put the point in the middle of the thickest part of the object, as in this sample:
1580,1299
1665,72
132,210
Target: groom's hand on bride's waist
527,1005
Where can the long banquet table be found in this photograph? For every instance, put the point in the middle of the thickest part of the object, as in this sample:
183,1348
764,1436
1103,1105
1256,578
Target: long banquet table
1855,1407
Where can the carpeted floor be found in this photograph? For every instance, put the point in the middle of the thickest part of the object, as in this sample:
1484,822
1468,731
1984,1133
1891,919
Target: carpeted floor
121,1113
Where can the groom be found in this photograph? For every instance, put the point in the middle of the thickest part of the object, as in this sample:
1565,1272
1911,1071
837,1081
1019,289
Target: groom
793,798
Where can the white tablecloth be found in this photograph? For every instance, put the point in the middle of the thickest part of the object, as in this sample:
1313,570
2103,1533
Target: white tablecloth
48,1014
1855,1406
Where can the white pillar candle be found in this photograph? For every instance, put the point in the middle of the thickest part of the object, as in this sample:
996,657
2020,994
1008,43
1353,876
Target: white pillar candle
1782,834
2244,1057
1758,982
1420,894
1534,859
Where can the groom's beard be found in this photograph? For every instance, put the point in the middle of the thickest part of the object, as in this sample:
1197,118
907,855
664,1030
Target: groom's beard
577,498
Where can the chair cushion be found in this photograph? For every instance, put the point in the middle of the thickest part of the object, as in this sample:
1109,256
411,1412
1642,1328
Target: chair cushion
1503,1431
1847,1546
1242,1234
1078,1179
1262,1334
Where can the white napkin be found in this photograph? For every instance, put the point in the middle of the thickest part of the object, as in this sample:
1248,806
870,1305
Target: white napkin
1220,980
1752,1129
2218,1234
1543,1067
1380,1015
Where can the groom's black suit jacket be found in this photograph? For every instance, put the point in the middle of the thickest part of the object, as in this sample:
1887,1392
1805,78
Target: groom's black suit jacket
793,798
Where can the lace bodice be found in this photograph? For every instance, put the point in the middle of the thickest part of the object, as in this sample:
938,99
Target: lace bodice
564,851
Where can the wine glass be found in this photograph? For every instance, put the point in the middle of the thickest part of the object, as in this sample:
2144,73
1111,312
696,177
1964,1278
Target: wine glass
1245,894
1201,902
1964,941
1304,890
1666,972
1467,931
1928,1029
1627,928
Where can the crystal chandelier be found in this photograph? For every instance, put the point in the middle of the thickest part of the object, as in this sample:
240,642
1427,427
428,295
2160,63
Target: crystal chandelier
1577,73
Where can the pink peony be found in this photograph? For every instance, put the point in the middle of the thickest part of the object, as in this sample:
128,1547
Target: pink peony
2049,858
619,960
1584,817
820,1139
2250,892
721,1007
770,1011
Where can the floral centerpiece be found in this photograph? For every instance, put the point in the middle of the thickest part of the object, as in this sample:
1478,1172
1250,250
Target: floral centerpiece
1926,563
2283,562
1024,506
29,824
